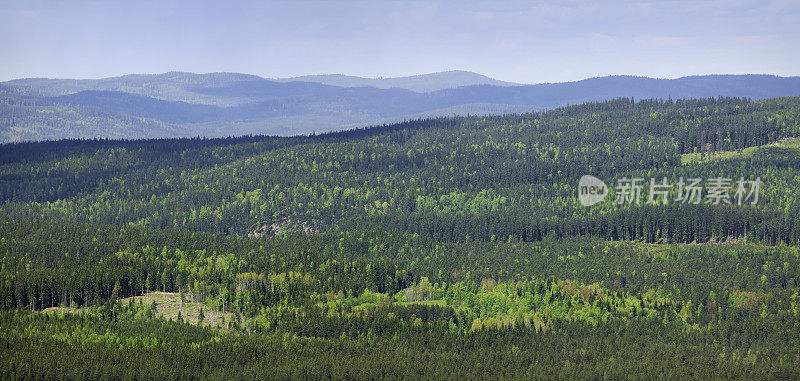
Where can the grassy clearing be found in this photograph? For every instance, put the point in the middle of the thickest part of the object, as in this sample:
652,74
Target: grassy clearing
697,157
792,143
168,305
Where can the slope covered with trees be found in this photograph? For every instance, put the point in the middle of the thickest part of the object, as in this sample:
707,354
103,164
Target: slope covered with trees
437,248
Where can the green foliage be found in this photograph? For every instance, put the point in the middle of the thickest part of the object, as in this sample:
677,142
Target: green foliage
444,248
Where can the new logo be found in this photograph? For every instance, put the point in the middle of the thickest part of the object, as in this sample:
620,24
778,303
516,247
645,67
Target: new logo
591,190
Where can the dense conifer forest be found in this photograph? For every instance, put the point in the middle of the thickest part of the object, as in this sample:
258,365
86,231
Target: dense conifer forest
442,248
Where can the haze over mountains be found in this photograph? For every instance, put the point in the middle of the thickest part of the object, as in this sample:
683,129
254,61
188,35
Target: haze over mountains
419,83
180,104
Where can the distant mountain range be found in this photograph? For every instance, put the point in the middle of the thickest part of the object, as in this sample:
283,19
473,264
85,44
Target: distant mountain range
422,83
224,104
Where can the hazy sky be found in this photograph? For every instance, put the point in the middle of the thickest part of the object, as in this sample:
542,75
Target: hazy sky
531,42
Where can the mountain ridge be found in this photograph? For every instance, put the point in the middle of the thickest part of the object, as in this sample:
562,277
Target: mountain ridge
181,104
420,83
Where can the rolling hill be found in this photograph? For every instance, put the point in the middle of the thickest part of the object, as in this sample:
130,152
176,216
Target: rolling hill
229,104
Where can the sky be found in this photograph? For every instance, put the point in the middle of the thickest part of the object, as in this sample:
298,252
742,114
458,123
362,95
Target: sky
519,41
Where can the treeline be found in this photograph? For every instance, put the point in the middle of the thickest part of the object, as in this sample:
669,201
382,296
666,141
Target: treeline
649,223
48,265
45,346
478,170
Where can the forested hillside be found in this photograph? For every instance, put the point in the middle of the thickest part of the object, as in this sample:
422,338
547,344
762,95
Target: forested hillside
437,248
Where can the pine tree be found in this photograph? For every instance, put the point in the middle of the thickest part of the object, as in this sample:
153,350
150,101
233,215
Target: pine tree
115,292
